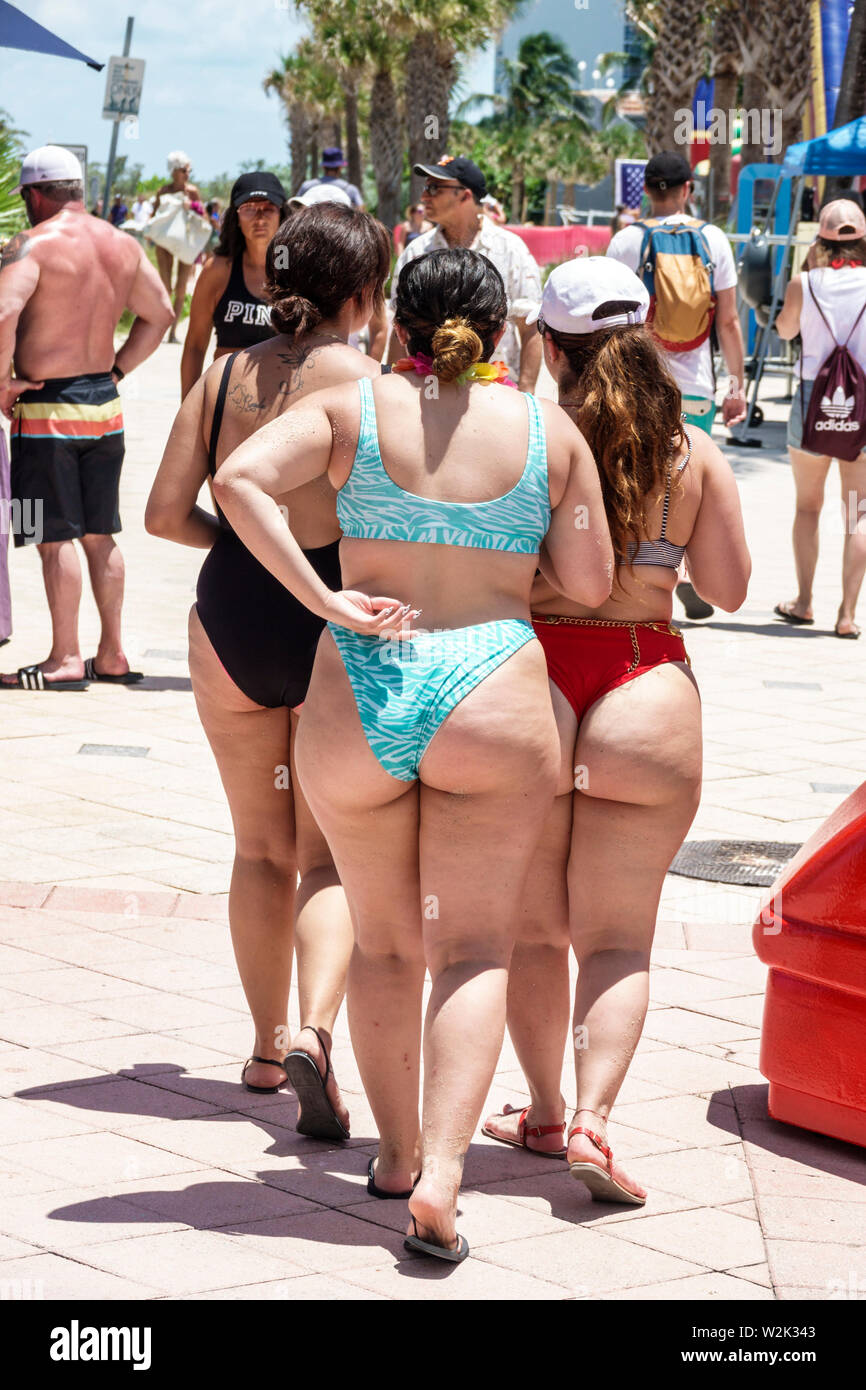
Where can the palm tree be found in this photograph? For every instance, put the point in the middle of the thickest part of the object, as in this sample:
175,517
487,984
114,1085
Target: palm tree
851,102
307,90
776,42
726,67
677,29
12,215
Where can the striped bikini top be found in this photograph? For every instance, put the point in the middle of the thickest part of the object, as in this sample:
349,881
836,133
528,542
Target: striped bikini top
370,505
661,552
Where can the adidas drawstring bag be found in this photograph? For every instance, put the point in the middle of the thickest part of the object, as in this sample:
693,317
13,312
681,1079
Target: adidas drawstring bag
835,422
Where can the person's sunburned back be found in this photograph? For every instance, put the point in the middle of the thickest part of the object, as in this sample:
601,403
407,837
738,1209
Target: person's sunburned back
86,272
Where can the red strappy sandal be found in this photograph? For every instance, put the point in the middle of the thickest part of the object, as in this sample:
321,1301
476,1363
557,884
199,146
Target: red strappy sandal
534,1131
600,1181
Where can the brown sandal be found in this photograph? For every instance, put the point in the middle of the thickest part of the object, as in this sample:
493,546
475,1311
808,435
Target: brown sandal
535,1131
600,1181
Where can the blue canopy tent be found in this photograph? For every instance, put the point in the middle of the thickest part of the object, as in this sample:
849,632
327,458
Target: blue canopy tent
18,30
840,153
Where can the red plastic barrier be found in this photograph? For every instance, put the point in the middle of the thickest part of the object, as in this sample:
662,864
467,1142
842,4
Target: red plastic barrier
811,931
552,244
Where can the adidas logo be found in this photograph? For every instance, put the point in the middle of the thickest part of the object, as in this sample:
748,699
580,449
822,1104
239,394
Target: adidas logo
839,406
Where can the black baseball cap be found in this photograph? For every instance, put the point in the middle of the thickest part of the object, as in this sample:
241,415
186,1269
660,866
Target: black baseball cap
459,168
667,170
259,184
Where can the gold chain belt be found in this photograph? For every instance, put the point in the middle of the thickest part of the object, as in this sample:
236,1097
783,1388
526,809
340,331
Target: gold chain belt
667,628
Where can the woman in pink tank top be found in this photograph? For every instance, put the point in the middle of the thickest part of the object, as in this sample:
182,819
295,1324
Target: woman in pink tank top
825,313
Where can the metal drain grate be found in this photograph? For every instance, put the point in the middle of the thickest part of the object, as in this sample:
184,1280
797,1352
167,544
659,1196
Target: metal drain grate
752,863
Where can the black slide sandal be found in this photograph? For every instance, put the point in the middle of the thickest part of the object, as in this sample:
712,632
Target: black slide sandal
318,1119
32,678
129,677
439,1252
268,1062
375,1191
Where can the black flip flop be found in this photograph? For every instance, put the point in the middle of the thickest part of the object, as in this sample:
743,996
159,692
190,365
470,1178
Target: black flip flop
268,1062
318,1118
696,607
32,678
793,618
439,1252
375,1191
846,636
128,678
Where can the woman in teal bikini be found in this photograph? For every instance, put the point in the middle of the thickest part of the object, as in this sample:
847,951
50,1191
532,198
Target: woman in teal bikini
428,761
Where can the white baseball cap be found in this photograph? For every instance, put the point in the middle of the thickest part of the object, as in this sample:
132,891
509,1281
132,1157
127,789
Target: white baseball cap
578,293
49,164
321,193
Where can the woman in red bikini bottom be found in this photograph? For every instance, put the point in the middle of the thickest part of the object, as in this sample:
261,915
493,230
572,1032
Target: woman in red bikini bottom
629,718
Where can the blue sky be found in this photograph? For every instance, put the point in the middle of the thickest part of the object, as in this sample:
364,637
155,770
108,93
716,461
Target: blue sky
205,62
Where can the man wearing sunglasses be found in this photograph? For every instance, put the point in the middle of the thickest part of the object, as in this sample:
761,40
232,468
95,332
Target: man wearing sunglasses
452,198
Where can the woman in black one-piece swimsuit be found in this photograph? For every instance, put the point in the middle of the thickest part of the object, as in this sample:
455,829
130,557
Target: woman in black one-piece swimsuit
229,294
252,645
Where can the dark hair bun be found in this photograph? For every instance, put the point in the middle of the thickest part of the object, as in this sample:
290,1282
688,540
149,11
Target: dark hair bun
294,313
456,346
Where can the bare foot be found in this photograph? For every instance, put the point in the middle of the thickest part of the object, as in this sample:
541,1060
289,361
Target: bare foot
506,1127
396,1179
265,1073
71,668
581,1149
433,1205
109,663
795,609
310,1044
846,627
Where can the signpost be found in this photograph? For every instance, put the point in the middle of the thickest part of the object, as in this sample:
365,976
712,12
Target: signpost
123,85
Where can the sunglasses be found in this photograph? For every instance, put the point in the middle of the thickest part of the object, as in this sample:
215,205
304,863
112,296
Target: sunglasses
252,209
431,189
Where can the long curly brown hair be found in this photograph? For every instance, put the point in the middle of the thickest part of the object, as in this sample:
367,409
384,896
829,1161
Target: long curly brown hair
628,408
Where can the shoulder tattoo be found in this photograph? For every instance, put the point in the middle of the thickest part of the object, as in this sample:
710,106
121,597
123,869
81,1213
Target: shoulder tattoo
244,400
15,249
296,359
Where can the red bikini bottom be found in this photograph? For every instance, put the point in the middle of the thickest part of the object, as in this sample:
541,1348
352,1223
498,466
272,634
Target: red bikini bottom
588,657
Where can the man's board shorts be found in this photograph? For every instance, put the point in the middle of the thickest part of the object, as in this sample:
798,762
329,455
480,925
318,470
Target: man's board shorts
699,412
66,456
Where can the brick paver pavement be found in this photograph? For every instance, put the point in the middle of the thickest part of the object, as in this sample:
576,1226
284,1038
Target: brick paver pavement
133,1164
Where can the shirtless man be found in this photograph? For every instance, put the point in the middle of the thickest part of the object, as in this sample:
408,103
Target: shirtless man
63,287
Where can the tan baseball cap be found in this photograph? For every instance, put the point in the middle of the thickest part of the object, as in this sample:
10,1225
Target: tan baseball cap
842,220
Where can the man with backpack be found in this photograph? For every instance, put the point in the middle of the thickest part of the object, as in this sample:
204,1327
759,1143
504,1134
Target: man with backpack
688,267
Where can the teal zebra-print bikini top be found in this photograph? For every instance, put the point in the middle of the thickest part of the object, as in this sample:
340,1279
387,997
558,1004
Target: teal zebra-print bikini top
370,506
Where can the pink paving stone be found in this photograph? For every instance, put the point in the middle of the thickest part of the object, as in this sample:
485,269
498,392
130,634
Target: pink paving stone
816,1264
706,1287
704,1235
89,1160
40,1025
11,1249
72,1217
24,1120
588,1263
754,1274
324,1241
802,1218
122,1104
691,1072
23,894
570,1201
415,1279
209,1199
787,1181
205,907
704,1176
57,1279
689,1119
189,1261
306,1288
684,1028
141,1055
110,900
